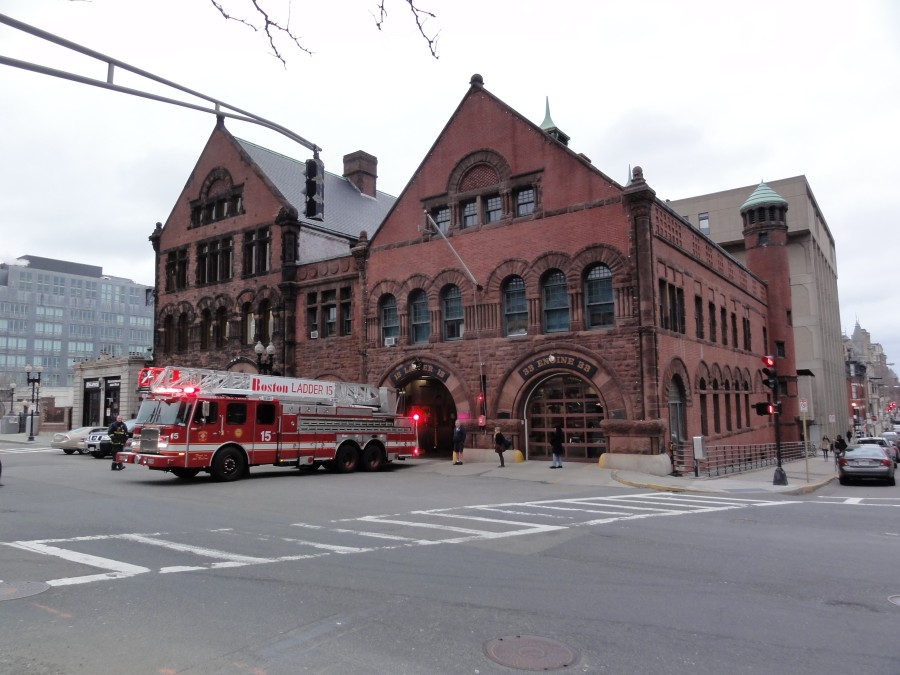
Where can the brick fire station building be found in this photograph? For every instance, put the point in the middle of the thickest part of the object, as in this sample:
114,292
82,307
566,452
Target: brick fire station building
511,284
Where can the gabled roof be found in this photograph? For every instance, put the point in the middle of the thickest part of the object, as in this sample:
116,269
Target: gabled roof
347,210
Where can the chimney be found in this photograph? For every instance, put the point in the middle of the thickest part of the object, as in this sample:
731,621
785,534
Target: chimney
361,169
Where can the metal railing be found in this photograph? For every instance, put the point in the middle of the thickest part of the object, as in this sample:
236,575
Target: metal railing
723,460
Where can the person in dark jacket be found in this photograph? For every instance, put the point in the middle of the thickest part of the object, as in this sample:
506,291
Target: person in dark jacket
459,442
500,445
556,446
118,434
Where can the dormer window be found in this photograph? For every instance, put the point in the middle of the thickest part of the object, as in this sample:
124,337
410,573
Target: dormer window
481,190
219,199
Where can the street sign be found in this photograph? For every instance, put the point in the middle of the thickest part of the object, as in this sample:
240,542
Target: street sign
804,405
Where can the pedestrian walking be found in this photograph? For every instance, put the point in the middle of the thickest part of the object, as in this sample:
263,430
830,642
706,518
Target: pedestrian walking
118,434
459,442
839,446
501,443
556,447
825,446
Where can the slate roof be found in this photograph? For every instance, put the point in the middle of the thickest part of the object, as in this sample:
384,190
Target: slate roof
347,210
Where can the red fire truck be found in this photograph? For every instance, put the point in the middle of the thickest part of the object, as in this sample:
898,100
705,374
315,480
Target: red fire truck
224,422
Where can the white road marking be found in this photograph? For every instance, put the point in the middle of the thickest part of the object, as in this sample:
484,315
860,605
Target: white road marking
525,519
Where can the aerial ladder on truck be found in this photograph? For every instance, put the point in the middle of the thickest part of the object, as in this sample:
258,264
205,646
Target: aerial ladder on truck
174,379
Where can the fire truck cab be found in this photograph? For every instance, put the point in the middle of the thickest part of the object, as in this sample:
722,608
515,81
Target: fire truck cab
223,423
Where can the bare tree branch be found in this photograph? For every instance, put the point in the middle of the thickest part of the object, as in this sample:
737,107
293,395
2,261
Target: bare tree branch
270,27
421,17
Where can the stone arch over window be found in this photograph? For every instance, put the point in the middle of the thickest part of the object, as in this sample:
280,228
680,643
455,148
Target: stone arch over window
477,171
554,260
217,182
701,373
382,288
508,268
413,283
676,367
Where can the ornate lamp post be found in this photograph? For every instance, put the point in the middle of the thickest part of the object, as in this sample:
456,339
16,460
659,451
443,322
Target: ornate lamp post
12,395
265,358
35,383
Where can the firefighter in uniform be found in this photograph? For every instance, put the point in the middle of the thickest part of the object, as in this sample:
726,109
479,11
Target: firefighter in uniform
118,434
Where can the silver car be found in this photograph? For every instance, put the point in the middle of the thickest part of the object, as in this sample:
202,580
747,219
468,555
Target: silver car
863,462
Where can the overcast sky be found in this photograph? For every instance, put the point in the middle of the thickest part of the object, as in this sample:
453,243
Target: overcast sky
705,95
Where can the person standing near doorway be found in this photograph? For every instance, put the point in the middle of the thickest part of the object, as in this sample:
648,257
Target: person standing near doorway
501,443
556,446
459,442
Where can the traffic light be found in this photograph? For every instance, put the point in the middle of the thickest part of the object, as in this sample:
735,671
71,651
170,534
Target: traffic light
314,188
770,376
766,408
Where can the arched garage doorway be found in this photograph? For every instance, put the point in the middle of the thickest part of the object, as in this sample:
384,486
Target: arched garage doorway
434,403
576,405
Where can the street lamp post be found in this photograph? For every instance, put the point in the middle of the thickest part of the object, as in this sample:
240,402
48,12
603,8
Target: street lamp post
12,395
35,383
265,358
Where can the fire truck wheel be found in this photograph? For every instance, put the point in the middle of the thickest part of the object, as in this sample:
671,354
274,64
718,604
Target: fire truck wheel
228,464
345,459
373,459
185,473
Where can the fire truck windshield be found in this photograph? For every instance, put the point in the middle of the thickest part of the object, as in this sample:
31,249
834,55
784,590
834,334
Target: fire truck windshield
163,412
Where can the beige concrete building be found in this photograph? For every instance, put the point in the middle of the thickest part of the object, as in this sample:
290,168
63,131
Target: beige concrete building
815,312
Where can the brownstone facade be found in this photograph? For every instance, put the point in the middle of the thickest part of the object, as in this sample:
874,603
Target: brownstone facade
558,295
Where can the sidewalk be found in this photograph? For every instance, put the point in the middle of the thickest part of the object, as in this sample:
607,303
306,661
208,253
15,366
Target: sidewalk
803,476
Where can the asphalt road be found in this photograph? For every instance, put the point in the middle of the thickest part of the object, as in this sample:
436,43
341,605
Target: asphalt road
413,571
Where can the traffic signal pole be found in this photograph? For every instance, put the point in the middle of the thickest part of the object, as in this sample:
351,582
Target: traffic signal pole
771,381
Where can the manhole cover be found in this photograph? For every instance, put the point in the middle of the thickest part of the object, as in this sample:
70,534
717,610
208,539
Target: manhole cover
895,599
11,590
529,652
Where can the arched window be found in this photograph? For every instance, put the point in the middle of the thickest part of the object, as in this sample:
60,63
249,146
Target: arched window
727,396
515,309
704,418
220,330
205,329
598,297
390,322
266,322
555,300
168,334
181,335
419,323
452,312
717,421
248,324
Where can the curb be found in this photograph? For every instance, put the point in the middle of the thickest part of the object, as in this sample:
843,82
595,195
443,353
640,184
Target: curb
809,487
655,486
